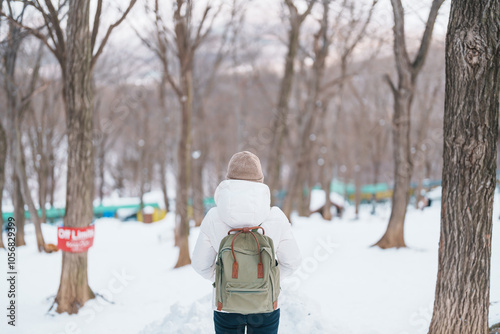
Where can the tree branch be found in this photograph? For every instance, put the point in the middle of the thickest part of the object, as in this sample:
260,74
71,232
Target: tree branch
34,32
400,52
200,37
97,22
361,34
162,49
54,19
388,80
110,30
426,38
310,5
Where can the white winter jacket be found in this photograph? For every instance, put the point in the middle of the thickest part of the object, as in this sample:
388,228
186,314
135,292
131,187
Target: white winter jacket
244,204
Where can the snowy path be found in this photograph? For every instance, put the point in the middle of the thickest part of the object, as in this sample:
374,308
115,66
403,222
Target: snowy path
344,286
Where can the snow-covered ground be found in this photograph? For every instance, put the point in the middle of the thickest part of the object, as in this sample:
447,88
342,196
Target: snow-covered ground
344,285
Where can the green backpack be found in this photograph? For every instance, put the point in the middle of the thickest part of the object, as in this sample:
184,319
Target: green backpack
247,277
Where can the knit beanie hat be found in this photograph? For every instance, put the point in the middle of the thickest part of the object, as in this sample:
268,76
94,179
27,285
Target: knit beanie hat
245,166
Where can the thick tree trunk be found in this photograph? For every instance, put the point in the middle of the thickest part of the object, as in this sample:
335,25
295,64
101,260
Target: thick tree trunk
74,290
184,171
470,143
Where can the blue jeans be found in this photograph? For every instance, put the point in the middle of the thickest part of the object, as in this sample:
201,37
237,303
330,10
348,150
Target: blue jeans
234,323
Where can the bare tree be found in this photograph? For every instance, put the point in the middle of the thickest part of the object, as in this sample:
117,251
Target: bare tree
18,102
403,93
187,37
279,124
43,138
203,92
77,53
348,31
321,45
469,174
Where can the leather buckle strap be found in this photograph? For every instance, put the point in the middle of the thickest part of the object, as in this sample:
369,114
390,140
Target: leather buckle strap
260,267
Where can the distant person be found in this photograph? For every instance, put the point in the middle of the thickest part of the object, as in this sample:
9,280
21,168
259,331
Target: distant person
243,201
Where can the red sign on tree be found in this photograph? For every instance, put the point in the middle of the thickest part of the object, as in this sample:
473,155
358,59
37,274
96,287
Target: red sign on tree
75,240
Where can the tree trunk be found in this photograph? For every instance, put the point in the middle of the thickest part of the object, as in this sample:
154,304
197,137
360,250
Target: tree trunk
198,209
20,168
403,96
394,235
3,159
101,164
163,181
14,40
184,171
52,168
469,173
376,171
310,113
280,118
74,290
198,164
19,214
42,192
357,194
325,185
304,201
420,185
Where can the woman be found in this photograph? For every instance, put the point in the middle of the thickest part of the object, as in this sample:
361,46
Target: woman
243,200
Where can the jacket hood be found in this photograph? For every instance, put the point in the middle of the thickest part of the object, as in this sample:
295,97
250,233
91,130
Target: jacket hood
242,203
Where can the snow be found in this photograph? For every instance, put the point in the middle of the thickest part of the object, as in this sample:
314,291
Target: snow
343,286
148,210
435,194
149,197
318,199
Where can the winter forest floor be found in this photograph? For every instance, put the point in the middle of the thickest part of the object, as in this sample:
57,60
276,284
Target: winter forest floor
343,286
